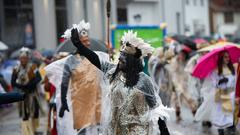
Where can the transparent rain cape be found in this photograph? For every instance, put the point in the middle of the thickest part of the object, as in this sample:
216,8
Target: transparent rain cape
131,110
210,110
114,95
161,78
193,84
67,70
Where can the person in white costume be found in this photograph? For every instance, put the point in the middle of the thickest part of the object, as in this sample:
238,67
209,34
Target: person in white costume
219,90
68,75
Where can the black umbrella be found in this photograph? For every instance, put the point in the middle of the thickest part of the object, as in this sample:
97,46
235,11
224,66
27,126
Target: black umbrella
95,45
186,41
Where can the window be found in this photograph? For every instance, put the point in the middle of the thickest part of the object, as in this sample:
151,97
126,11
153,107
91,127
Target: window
61,17
122,15
18,23
228,17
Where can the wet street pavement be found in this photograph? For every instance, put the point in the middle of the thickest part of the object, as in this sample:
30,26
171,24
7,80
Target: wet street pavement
10,121
10,124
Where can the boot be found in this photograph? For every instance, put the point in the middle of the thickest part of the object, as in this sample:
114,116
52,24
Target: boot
220,131
35,123
231,130
27,128
178,114
163,127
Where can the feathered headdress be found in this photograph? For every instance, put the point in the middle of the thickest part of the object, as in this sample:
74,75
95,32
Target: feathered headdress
130,41
83,28
24,51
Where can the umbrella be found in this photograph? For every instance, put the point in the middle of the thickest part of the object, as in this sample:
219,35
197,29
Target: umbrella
216,46
15,54
3,46
186,41
47,53
200,41
96,45
208,62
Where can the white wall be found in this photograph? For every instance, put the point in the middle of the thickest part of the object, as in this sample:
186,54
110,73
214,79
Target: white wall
145,10
154,13
197,14
237,19
172,7
218,20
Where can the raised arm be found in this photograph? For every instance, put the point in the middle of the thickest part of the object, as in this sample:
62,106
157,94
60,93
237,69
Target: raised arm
89,54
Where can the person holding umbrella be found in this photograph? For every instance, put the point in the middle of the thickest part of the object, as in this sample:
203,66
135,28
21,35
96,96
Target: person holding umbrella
219,86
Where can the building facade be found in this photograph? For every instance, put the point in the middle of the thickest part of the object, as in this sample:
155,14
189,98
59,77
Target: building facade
181,16
40,23
197,17
225,16
155,12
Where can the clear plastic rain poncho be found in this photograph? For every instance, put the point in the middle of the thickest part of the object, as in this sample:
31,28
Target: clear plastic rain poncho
68,70
161,76
123,110
132,110
220,113
194,84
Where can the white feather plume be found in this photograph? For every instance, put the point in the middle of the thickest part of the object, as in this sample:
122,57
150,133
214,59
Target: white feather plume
81,26
162,112
131,37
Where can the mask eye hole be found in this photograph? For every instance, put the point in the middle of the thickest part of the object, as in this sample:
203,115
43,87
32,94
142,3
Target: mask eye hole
128,44
123,53
84,33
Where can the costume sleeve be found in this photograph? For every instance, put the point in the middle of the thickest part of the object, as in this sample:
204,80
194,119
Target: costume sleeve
13,80
89,54
65,82
3,83
149,91
106,65
102,64
6,98
33,83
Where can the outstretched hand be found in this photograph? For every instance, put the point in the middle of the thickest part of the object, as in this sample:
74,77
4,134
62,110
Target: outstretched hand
63,108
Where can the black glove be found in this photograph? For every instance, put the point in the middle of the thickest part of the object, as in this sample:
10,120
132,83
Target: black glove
223,80
63,108
75,38
84,51
163,127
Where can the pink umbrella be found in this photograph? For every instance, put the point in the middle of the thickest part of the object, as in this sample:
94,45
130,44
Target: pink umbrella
208,62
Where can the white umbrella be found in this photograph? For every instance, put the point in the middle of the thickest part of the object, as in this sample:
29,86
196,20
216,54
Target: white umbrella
3,46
